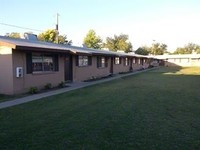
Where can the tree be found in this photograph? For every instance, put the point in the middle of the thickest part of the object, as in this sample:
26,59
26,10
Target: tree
50,36
62,39
158,49
191,47
198,51
163,47
180,50
143,50
13,35
188,49
118,43
92,40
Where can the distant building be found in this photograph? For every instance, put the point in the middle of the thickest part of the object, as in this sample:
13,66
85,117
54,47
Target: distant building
184,60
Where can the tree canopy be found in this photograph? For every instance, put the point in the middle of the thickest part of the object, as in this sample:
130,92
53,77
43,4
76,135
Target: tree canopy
51,36
155,49
118,42
62,39
91,40
13,35
188,49
48,36
158,49
143,50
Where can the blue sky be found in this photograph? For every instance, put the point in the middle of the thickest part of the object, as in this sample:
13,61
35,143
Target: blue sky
173,22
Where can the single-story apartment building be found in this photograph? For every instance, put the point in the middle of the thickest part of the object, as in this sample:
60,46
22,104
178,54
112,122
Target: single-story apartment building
183,60
26,63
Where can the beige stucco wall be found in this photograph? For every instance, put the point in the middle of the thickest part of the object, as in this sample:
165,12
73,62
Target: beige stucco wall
146,63
6,72
195,62
136,66
81,73
117,68
39,80
155,63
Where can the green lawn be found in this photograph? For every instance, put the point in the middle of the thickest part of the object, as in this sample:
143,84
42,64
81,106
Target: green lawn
159,109
4,98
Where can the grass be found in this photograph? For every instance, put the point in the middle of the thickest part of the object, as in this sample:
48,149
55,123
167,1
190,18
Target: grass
33,90
159,109
4,98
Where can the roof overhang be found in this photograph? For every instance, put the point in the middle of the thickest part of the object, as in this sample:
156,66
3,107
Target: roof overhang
80,53
40,49
102,54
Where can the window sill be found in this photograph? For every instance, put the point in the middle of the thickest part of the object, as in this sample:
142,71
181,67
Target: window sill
43,72
84,66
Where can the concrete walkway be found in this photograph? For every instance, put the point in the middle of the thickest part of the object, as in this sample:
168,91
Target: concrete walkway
72,86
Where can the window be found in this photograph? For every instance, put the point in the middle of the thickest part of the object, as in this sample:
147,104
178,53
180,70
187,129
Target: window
117,60
82,60
38,62
134,61
126,62
101,62
139,61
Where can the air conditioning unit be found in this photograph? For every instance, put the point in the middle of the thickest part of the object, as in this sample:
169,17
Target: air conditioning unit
19,72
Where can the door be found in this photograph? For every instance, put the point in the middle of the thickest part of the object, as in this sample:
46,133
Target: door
111,65
68,68
131,64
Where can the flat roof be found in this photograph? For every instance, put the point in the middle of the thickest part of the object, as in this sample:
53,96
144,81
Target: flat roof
177,56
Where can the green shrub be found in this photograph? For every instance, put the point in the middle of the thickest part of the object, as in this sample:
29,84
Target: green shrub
61,84
33,90
48,86
150,66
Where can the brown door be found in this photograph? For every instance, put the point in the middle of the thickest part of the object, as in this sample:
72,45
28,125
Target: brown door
68,68
131,64
111,65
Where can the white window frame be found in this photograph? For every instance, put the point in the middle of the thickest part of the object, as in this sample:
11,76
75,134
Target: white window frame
134,60
117,60
83,61
126,61
44,62
139,61
103,62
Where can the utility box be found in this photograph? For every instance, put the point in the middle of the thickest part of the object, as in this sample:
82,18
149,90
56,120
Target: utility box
19,72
